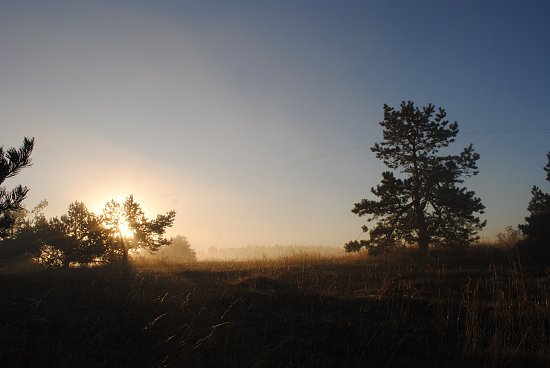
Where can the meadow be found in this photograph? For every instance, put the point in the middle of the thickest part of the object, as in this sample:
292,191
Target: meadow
481,307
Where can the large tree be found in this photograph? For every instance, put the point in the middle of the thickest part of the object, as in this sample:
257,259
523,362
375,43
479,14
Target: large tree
12,161
425,203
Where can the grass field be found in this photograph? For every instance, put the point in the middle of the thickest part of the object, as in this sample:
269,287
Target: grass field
480,307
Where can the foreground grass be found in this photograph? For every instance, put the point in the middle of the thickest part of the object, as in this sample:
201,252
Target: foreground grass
480,308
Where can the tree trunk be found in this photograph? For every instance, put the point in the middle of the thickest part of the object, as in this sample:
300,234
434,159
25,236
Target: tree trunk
423,237
124,252
423,245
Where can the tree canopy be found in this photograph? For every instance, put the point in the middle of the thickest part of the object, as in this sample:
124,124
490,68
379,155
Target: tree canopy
145,233
424,203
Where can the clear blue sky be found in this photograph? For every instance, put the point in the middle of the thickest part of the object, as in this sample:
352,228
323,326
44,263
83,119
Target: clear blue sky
164,98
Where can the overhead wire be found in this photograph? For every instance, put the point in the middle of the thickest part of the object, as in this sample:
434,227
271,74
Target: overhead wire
505,131
328,154
268,169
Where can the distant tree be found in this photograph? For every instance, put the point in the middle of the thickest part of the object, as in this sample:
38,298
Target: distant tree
179,249
12,161
425,204
537,227
142,233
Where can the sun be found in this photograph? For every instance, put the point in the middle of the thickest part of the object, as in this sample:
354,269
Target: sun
124,229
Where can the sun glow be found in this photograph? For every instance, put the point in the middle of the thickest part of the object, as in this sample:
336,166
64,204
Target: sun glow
124,229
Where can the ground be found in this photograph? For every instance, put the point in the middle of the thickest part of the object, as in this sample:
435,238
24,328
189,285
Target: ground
469,308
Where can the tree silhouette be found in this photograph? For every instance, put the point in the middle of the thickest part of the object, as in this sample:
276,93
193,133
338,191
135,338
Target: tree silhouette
91,240
425,204
82,238
179,249
537,227
146,234
75,238
12,161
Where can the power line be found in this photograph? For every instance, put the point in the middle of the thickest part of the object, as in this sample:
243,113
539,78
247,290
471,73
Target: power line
507,131
266,170
324,155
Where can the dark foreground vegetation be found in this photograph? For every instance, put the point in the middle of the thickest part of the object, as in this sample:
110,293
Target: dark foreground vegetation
479,307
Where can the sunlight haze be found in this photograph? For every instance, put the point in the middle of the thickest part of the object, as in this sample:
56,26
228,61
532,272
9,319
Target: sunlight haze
239,115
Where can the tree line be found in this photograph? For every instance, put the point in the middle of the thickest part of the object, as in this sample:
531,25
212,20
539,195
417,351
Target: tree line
78,237
421,201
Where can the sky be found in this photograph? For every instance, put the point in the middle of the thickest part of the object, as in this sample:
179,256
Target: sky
253,120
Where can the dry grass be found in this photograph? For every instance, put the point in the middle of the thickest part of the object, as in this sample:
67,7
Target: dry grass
480,307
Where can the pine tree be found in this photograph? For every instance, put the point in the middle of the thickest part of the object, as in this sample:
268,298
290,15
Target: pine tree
537,227
425,203
11,163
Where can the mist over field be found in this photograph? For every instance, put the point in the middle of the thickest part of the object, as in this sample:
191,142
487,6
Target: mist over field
269,252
